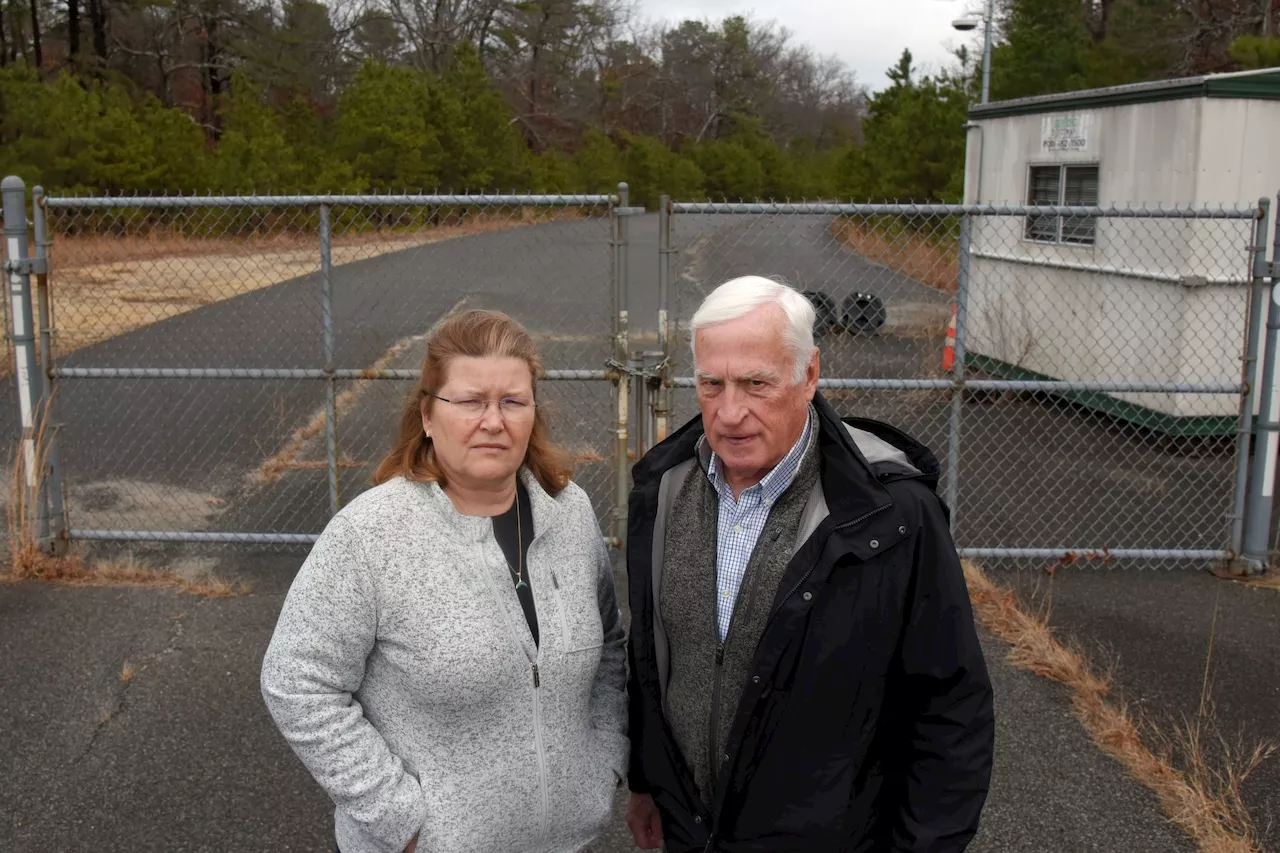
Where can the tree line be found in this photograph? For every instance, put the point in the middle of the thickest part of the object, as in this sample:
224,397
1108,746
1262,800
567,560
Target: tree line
236,96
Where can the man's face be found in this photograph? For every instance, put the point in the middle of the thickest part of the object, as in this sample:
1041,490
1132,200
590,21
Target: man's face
752,412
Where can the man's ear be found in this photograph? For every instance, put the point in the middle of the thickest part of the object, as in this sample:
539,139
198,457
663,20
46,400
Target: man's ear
811,374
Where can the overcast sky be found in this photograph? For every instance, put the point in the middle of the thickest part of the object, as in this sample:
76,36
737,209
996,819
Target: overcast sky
868,35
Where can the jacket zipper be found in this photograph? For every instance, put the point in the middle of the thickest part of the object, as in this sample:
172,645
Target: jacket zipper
714,745
564,618
715,682
539,746
541,750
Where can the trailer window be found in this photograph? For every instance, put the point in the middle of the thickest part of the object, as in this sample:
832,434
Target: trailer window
1069,186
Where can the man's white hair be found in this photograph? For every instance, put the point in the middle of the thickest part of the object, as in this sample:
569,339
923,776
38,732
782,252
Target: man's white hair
738,297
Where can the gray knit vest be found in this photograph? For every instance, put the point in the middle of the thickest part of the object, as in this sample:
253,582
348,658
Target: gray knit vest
688,607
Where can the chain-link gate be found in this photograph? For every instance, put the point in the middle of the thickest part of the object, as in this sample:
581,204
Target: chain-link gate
231,369
1079,372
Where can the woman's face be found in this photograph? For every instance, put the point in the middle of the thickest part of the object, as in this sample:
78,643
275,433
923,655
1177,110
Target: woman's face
481,435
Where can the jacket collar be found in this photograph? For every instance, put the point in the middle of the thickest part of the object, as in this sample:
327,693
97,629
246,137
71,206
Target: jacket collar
546,509
851,485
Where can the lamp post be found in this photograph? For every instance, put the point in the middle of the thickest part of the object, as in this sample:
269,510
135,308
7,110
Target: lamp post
970,22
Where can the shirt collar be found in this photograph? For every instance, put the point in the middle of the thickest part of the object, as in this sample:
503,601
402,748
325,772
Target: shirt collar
778,479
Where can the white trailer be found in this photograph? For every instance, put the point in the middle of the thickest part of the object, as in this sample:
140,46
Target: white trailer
1122,300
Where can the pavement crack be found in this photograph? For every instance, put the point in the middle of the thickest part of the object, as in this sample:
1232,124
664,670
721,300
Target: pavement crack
128,676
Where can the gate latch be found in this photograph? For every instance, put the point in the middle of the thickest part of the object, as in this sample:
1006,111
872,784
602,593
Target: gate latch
26,266
629,211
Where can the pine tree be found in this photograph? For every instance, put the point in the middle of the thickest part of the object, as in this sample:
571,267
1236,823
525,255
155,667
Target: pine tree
482,148
383,132
253,155
600,165
1044,49
914,149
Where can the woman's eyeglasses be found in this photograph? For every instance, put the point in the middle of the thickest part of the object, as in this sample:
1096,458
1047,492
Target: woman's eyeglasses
473,408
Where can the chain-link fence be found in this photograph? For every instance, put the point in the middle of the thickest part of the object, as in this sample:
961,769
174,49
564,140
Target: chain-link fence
1079,373
231,369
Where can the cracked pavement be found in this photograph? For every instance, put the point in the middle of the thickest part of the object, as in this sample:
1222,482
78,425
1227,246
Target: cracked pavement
189,760
130,671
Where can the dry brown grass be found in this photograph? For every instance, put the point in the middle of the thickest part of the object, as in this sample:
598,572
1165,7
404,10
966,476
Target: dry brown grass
1197,789
103,286
1270,580
127,672
26,475
74,571
78,251
271,471
29,562
913,255
585,455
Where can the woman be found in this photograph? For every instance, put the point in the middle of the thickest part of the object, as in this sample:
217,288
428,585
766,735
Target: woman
449,661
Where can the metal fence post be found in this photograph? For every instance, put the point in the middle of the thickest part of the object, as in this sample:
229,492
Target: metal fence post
1244,431
662,399
1257,524
957,390
55,525
331,394
642,395
19,268
621,358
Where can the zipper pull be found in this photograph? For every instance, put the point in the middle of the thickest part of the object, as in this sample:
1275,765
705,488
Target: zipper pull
719,654
554,581
537,682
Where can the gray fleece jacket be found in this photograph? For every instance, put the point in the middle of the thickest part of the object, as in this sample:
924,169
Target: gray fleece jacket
403,674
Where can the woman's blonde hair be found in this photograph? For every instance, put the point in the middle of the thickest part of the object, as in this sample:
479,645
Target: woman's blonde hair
475,334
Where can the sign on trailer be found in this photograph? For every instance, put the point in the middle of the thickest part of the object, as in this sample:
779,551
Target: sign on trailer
1065,132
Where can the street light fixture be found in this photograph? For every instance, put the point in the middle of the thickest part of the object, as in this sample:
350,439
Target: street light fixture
969,23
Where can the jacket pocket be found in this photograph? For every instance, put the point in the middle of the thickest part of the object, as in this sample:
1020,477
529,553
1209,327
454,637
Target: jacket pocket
580,629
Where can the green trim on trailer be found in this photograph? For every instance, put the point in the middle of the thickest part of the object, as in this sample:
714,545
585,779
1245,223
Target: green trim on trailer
1263,86
1200,426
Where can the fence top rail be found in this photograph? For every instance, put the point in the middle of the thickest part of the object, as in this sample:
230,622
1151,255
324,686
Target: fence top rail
185,201
1138,212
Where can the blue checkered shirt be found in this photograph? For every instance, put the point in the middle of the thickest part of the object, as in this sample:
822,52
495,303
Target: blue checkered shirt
741,521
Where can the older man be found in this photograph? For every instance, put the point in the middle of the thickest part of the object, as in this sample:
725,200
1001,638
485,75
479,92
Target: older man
805,672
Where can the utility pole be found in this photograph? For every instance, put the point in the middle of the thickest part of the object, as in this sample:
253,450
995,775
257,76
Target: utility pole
986,50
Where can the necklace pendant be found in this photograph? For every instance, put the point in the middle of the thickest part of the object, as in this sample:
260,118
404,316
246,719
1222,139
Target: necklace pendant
521,585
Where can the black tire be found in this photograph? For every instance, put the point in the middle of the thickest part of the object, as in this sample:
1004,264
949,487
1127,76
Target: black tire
864,313
824,307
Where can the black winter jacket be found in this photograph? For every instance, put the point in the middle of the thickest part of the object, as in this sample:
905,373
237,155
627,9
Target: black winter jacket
868,722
